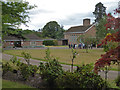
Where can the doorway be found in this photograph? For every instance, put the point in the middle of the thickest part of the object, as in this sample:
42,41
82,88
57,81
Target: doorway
17,43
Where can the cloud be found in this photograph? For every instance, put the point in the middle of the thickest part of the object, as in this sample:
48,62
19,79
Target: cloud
77,18
66,12
39,11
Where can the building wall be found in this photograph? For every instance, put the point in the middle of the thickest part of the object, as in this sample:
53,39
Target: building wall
25,43
38,43
72,37
32,43
59,42
91,32
8,44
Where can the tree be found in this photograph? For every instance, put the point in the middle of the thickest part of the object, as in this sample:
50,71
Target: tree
53,30
113,55
13,15
87,40
99,12
101,29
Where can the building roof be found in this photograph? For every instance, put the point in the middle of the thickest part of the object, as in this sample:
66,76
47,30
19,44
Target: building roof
29,37
80,29
32,37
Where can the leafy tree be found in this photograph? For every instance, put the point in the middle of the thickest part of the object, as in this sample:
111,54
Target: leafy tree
13,15
101,29
53,30
99,12
113,55
87,40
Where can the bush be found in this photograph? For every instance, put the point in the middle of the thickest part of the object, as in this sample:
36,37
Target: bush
50,42
27,71
117,81
6,67
50,71
15,61
80,79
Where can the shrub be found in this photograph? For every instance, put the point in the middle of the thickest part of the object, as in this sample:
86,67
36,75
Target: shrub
27,71
27,57
6,67
50,71
50,42
85,68
82,78
15,61
117,81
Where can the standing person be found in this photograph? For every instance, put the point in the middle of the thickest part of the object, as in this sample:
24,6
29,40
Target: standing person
69,46
80,45
83,45
75,46
91,45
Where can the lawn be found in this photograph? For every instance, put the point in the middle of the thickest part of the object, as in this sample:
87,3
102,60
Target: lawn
63,55
11,84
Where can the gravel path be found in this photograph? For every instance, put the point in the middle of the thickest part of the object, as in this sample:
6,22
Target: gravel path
111,74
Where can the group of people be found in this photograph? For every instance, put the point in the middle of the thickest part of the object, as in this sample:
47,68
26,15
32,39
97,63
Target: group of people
80,46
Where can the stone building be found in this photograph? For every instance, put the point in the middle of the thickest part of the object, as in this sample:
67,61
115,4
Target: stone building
74,32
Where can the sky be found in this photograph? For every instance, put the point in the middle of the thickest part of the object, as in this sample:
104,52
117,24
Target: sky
67,13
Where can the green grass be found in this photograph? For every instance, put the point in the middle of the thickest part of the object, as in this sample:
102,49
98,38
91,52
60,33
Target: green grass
11,84
64,55
112,84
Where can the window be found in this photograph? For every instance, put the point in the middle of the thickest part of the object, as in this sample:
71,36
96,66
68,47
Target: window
33,43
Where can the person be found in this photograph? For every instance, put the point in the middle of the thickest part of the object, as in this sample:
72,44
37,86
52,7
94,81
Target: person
79,46
91,45
83,45
69,46
75,46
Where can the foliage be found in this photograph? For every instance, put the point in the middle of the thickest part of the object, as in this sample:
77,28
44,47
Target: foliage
27,57
80,79
50,71
15,61
117,81
85,68
13,15
27,71
113,55
101,29
50,43
48,57
6,67
99,12
110,45
53,30
87,40
74,54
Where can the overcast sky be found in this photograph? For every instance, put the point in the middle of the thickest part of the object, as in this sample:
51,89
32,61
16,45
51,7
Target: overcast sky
66,12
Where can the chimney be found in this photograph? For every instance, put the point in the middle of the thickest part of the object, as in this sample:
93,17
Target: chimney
86,22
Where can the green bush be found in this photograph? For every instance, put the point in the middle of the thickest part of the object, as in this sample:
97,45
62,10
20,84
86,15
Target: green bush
117,81
50,42
6,67
83,78
50,71
15,61
27,71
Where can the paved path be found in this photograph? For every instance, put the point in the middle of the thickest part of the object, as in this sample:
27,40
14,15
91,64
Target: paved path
111,74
